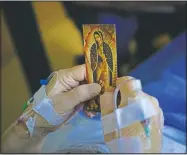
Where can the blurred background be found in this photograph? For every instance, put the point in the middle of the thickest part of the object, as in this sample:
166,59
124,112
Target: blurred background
40,37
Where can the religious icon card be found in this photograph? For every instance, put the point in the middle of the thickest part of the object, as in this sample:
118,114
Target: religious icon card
100,57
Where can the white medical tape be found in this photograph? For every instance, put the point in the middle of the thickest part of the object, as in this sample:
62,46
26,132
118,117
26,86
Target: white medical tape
40,95
44,107
136,85
138,110
125,145
30,123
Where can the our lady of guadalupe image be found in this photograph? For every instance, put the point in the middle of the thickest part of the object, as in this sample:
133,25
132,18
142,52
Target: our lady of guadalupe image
100,56
101,61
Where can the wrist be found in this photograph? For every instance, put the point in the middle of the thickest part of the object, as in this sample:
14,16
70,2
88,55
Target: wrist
31,123
20,130
39,111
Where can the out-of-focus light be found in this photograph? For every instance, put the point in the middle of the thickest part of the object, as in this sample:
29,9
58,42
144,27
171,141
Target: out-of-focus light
161,40
132,47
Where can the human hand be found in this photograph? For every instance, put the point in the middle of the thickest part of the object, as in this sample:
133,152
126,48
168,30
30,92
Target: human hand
131,93
66,93
127,90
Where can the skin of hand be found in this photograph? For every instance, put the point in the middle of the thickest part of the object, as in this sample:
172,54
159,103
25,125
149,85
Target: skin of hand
127,90
66,92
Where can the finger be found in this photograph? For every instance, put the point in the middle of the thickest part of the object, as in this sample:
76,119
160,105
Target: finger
77,95
124,78
83,93
71,77
127,82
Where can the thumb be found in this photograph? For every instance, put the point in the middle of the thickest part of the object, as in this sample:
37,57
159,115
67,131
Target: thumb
78,94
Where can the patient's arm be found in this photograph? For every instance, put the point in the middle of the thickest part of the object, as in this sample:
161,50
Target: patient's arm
16,138
66,93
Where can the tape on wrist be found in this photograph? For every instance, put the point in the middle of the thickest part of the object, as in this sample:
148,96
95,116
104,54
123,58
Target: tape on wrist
43,106
139,110
30,123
